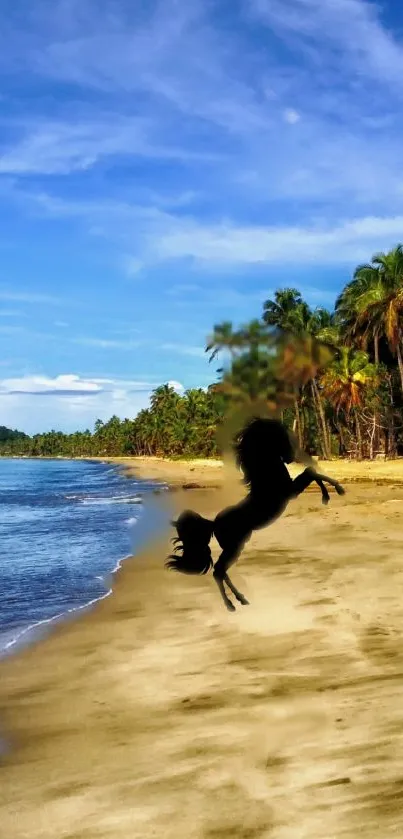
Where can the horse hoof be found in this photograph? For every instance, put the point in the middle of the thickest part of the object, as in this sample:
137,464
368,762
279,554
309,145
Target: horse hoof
230,606
243,601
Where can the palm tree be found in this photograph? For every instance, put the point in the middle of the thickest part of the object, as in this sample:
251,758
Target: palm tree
344,384
304,355
255,337
371,306
390,268
223,338
251,373
161,396
354,308
287,312
250,380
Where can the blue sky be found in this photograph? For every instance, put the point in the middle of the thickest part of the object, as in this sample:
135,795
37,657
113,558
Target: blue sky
167,165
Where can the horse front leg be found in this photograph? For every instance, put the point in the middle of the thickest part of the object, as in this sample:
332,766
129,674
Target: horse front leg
335,484
225,560
308,476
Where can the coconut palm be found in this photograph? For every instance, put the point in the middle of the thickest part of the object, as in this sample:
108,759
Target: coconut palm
371,306
390,269
223,338
356,311
345,382
287,312
304,355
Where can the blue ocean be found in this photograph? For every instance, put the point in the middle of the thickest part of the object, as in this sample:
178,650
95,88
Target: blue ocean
64,528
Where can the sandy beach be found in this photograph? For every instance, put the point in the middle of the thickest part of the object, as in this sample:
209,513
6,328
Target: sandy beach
209,473
159,714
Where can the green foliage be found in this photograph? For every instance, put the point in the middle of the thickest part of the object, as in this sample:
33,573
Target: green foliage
173,426
335,377
8,435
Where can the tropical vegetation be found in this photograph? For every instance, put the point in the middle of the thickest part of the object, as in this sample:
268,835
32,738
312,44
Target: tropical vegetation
335,377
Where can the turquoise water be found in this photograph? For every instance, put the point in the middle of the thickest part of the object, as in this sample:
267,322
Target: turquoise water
64,527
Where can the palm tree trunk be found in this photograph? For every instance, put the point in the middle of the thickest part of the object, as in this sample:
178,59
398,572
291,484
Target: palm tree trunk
373,437
342,443
359,436
391,442
321,420
376,347
317,421
298,424
400,363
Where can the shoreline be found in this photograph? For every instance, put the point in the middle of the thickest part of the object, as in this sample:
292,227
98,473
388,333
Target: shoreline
196,474
62,618
211,474
279,716
33,631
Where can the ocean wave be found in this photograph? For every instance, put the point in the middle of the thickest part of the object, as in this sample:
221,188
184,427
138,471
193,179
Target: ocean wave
89,500
16,637
131,521
29,632
119,499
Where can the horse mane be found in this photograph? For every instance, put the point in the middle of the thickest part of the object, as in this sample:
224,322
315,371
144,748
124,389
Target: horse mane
260,442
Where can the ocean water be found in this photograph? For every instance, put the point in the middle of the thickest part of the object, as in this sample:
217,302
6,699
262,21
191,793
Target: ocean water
64,528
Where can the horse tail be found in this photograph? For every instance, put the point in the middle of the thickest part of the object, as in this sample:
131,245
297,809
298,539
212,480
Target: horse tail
194,534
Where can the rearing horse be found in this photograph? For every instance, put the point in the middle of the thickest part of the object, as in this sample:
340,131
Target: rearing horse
262,451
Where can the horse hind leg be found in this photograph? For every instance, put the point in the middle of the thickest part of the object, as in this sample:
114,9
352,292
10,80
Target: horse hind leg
226,559
240,597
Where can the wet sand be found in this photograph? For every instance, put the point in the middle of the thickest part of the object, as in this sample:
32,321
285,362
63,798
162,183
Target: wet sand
159,714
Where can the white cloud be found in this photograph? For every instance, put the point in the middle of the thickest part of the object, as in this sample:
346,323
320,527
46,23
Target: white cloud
184,349
162,237
291,116
29,297
68,413
11,329
184,288
107,343
68,384
69,402
157,58
166,54
343,74
349,241
132,266
176,386
61,148
352,27
12,313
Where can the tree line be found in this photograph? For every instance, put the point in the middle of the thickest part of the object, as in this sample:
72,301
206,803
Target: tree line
335,376
173,425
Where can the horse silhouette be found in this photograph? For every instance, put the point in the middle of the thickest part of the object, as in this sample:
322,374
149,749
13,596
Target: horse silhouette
262,450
